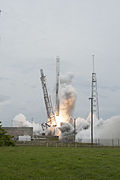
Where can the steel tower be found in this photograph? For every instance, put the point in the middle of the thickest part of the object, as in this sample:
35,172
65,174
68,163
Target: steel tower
47,99
94,101
94,93
57,106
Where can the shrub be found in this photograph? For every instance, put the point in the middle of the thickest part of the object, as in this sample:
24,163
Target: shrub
5,139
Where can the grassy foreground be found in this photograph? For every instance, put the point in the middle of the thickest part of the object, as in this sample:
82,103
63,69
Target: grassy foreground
51,163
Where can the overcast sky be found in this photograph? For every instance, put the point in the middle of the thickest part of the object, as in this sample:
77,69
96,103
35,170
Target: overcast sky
34,32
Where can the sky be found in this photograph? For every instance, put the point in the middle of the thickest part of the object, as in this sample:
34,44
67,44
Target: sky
33,33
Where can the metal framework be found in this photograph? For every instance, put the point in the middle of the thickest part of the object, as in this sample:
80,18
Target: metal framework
57,86
94,93
94,102
48,104
45,126
91,99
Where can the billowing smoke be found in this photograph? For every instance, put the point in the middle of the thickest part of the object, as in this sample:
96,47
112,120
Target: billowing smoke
104,130
67,131
67,95
20,121
108,129
67,98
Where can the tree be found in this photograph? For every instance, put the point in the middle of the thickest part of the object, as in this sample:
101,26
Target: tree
5,139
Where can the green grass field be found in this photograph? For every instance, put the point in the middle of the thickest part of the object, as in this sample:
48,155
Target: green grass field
51,163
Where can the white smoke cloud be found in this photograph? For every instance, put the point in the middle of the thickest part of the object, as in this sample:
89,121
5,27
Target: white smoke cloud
67,97
52,131
103,129
82,124
20,121
66,79
108,129
66,132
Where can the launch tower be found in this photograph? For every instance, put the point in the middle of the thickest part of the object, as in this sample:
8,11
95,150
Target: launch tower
94,93
47,99
94,101
57,106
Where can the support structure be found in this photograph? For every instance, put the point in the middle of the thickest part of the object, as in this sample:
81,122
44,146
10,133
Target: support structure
94,93
48,104
91,104
45,125
57,106
74,130
94,101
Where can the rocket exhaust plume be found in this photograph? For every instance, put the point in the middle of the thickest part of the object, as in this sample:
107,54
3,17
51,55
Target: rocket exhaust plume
67,98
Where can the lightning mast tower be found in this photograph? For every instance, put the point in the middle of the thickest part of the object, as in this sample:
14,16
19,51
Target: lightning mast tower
94,101
48,104
94,93
57,86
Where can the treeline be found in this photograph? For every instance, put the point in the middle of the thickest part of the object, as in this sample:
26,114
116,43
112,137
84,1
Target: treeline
5,139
